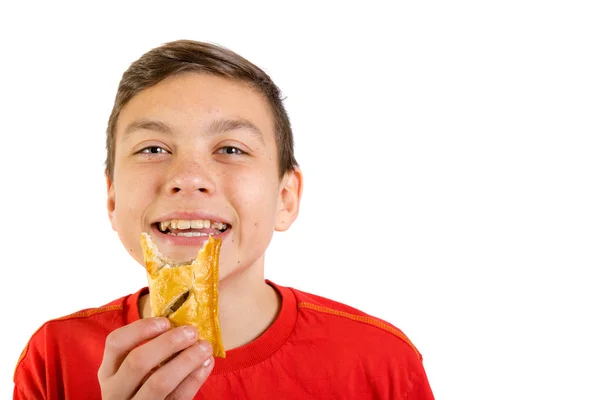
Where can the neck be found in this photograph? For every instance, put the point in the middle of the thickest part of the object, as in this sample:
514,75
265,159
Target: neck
247,305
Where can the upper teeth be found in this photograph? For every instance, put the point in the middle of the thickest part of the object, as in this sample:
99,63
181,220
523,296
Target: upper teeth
194,224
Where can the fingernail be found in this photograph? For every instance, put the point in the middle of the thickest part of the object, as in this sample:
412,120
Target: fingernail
207,362
205,347
190,332
161,323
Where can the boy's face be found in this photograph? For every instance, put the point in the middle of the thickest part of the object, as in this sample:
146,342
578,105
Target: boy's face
200,150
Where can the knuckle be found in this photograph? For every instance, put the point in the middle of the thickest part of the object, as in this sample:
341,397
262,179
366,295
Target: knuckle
177,395
198,376
158,386
189,387
136,362
190,357
113,341
176,338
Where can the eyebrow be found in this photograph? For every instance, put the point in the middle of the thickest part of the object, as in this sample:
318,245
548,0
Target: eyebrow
216,126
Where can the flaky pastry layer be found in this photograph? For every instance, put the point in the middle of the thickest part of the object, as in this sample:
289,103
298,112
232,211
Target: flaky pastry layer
187,294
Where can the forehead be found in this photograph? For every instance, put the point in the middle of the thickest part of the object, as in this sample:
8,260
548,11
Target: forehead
196,100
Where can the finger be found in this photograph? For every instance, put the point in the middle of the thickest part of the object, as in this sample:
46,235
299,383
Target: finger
168,377
121,341
193,382
143,359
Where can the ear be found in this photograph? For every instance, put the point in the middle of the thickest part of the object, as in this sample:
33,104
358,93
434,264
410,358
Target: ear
290,193
110,201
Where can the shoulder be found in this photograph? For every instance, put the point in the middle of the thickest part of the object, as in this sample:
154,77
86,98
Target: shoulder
89,317
89,323
349,324
352,345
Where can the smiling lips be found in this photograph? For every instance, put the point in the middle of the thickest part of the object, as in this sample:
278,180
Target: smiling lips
191,228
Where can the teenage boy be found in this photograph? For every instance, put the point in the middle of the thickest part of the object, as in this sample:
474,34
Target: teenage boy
199,135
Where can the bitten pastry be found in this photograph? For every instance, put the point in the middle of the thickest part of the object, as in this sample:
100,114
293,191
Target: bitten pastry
187,294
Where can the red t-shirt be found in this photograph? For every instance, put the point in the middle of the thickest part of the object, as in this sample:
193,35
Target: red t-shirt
316,349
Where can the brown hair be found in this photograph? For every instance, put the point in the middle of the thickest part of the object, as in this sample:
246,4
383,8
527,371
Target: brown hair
191,56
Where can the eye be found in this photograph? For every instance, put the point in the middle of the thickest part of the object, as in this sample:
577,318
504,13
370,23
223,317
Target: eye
153,150
231,150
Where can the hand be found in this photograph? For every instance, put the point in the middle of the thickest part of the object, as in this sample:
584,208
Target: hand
129,369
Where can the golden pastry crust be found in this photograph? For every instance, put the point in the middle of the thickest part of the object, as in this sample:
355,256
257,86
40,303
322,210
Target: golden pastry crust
187,294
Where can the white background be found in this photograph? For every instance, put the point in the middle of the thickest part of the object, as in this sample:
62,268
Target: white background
451,159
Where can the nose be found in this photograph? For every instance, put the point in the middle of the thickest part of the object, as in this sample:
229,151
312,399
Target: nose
189,176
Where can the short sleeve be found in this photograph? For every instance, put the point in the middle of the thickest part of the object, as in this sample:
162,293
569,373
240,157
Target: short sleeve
421,389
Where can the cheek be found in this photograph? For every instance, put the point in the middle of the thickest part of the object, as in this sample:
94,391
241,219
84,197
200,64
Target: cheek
132,198
128,209
135,187
255,194
254,198
127,199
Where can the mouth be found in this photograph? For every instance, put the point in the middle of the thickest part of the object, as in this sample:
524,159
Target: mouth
191,228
